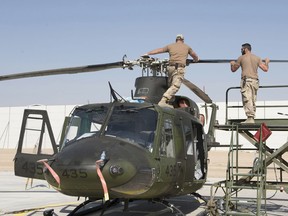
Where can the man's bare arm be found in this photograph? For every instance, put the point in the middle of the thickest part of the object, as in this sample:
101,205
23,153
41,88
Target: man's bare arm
194,56
265,66
234,66
156,51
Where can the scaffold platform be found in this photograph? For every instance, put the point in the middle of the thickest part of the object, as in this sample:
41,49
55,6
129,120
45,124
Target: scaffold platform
254,177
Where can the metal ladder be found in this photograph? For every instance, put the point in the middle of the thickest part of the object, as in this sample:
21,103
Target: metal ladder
238,179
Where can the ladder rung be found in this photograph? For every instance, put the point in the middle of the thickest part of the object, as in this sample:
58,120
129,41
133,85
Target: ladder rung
244,200
239,213
244,187
243,174
32,129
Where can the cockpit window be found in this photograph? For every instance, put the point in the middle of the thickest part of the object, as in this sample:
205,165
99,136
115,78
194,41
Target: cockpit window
134,124
85,123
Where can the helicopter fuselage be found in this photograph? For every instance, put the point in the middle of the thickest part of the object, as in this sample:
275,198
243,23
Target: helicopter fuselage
142,150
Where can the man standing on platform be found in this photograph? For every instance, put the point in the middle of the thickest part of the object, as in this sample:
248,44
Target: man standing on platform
249,64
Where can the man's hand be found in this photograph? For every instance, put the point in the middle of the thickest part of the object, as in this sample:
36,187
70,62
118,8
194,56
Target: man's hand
234,66
265,66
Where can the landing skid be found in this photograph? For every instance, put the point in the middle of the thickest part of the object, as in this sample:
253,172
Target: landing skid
199,196
78,212
171,208
101,208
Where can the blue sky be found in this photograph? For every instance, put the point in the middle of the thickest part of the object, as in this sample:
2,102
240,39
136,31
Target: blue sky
38,35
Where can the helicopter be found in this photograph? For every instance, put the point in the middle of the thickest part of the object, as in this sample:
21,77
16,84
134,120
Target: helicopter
123,150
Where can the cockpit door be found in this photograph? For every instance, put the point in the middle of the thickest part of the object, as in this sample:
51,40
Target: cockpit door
189,134
167,152
36,142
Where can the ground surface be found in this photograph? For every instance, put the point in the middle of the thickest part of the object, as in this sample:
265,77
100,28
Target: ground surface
16,198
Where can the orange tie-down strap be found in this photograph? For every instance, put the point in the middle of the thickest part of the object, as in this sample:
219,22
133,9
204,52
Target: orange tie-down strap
103,182
53,173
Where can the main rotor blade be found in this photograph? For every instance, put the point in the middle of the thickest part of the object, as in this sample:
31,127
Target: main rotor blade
72,70
197,91
279,61
190,61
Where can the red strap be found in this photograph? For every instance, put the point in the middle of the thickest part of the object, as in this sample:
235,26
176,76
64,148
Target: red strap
53,173
103,182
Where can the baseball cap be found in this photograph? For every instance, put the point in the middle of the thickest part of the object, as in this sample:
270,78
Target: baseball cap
180,36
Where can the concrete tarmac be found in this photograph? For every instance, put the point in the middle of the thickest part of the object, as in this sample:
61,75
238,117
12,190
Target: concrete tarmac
19,198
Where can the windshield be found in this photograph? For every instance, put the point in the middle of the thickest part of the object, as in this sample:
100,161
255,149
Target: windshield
134,124
85,123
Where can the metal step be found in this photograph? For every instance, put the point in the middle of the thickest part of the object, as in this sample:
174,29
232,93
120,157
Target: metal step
248,174
240,213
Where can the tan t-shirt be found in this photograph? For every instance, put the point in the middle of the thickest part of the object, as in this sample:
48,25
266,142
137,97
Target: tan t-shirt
178,52
249,64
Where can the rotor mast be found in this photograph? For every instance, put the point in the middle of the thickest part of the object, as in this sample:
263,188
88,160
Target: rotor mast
150,66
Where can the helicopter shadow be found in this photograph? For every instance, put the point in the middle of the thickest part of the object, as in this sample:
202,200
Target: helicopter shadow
183,205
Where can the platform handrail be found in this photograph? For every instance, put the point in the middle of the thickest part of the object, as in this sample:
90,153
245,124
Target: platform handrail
259,106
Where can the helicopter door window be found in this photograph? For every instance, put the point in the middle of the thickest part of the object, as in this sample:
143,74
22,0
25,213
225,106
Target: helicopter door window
73,128
199,152
36,132
167,141
134,125
85,123
189,139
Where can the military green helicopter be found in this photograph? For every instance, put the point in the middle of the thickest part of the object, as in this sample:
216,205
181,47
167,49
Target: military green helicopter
123,150
126,149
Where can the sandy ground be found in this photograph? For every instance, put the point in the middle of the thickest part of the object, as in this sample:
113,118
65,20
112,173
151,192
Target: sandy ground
41,197
217,161
6,159
217,164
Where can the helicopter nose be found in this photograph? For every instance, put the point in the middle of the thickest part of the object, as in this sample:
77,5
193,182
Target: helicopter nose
118,172
77,169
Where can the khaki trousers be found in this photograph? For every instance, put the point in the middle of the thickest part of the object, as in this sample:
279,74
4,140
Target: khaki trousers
249,88
175,79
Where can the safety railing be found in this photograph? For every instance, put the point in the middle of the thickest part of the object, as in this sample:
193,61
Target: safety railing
265,106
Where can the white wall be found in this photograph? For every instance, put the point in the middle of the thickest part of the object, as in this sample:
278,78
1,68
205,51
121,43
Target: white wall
274,141
11,119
